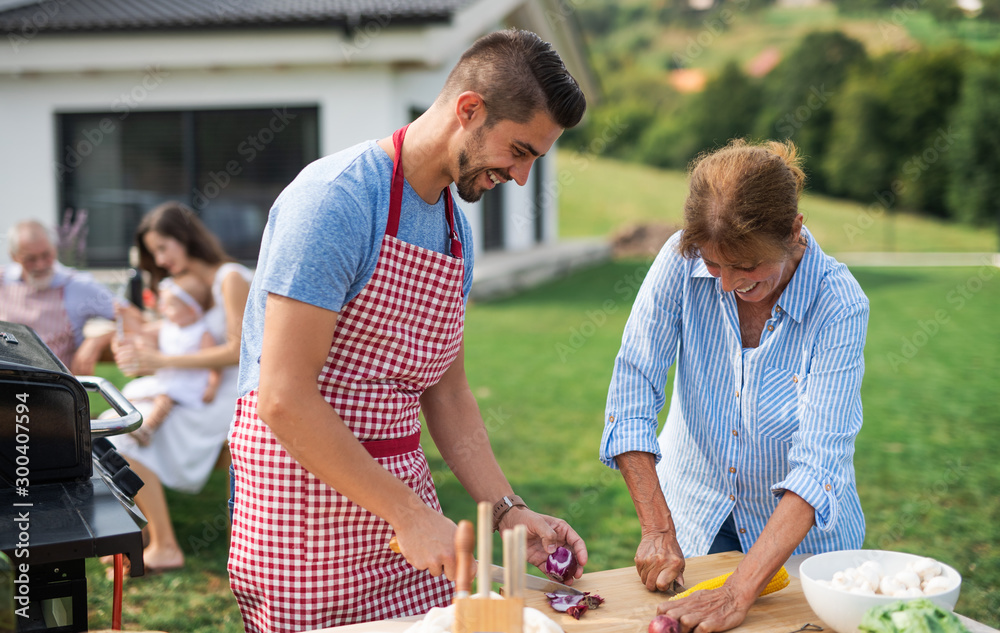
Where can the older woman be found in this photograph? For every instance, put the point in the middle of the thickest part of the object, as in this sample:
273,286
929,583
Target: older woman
768,334
180,455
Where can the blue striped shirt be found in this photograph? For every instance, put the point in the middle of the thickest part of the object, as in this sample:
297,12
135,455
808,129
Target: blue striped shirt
744,425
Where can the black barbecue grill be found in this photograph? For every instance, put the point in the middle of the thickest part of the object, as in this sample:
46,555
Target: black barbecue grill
65,494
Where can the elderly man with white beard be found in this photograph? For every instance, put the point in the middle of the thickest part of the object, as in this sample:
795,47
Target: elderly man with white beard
52,299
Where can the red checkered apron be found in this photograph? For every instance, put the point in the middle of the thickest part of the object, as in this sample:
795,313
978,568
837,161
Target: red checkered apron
44,311
303,556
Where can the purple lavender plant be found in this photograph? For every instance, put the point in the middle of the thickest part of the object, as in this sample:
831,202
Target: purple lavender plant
72,232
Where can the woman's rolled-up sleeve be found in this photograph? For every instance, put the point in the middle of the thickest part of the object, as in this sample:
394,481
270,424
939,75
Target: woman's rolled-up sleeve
830,417
649,347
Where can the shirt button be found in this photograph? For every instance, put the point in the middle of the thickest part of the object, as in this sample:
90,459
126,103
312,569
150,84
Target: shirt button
737,394
735,433
828,487
743,531
733,470
770,328
732,497
795,378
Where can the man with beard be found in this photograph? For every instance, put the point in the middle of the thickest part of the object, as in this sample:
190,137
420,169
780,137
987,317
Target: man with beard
353,327
52,299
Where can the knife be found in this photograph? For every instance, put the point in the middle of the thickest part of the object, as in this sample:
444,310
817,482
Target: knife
536,583
531,582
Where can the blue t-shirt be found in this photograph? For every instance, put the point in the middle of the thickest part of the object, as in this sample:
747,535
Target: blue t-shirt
324,234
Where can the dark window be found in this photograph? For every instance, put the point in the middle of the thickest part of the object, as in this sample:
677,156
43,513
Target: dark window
228,165
493,219
538,203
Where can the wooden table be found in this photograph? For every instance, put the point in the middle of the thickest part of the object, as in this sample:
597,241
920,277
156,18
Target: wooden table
629,607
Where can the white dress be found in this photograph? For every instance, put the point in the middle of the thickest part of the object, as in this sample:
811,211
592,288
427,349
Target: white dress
184,386
184,449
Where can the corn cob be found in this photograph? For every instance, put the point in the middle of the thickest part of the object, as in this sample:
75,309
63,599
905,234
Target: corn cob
780,581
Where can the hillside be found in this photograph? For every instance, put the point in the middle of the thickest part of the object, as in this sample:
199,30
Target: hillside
601,196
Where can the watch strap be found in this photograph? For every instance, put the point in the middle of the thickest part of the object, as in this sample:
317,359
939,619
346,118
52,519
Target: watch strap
502,507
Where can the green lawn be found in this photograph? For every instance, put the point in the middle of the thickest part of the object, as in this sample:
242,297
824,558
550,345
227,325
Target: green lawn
599,196
540,362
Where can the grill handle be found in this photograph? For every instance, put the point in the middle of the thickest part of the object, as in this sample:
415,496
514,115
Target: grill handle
130,418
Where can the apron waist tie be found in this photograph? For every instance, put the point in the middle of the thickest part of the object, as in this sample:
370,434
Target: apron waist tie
393,446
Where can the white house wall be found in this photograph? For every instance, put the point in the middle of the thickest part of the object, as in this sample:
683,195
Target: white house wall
354,105
358,97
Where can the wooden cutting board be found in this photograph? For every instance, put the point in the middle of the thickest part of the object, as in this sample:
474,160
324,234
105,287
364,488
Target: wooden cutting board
629,607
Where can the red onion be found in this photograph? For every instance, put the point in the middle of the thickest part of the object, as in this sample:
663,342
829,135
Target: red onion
561,565
664,624
574,604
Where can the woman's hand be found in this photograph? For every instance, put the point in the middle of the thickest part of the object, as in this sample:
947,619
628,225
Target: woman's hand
659,560
135,357
130,317
708,610
545,534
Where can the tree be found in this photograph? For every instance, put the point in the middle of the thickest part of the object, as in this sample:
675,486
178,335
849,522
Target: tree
974,188
858,159
921,89
799,94
726,109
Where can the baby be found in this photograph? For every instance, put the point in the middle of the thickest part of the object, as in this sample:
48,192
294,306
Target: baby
182,303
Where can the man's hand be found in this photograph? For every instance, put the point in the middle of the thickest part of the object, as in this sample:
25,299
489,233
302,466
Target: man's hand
89,353
545,534
659,560
709,610
429,543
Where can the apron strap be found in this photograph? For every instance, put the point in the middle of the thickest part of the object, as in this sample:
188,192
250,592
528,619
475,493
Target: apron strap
396,196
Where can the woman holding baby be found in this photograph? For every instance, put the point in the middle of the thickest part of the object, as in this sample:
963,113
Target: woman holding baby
201,292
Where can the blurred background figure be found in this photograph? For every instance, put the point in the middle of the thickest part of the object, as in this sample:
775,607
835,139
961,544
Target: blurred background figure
183,330
175,244
54,300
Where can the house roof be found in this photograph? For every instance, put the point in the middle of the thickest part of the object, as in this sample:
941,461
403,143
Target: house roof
88,16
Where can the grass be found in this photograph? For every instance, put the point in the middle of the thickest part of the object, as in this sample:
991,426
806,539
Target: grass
601,195
540,363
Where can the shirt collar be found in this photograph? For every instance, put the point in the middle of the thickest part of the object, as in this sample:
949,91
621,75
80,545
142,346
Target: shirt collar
801,289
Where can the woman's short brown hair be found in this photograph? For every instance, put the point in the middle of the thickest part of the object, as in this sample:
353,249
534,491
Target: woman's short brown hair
173,219
743,200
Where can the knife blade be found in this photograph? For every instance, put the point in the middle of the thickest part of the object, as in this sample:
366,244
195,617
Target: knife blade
536,583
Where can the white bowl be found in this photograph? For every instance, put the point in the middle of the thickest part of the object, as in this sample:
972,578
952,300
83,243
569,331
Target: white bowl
843,610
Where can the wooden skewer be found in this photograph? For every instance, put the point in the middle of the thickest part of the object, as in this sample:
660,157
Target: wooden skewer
517,567
465,543
484,531
509,553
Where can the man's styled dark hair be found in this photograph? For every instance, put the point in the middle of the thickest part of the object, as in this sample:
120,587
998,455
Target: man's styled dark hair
517,74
